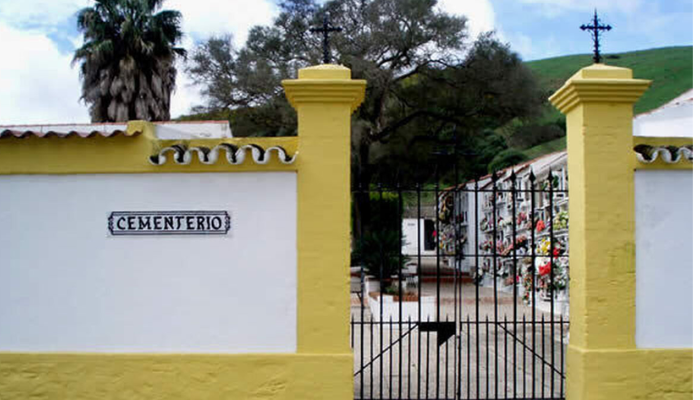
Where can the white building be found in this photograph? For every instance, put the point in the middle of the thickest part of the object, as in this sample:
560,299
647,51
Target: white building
479,212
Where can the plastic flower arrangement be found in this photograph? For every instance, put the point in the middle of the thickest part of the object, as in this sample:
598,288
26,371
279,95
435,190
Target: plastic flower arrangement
540,226
447,240
484,224
561,220
551,272
486,245
555,183
502,223
527,279
504,250
446,208
522,218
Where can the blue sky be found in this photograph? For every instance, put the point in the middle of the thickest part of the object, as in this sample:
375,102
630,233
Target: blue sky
39,36
542,29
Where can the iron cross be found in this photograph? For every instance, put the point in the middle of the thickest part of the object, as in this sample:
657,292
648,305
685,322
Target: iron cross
596,28
326,29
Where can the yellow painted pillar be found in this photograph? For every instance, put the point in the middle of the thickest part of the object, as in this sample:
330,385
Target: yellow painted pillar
325,97
603,361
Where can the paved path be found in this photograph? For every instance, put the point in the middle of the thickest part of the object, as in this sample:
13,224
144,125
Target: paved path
415,363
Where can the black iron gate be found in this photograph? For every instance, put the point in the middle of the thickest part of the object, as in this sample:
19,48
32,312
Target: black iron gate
471,300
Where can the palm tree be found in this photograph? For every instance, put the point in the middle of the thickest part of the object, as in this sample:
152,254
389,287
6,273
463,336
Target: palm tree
127,64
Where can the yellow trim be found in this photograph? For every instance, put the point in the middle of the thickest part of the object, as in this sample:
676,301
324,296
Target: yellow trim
682,164
325,84
603,361
123,154
599,83
601,232
322,368
324,98
629,374
144,127
175,376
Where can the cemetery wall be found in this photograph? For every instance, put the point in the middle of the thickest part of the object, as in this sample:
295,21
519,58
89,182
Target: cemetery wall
604,359
68,284
664,255
298,187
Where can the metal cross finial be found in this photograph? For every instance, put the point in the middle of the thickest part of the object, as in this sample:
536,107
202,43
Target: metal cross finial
326,29
596,27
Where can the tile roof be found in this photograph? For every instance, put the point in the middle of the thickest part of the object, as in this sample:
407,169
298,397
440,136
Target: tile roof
668,154
65,130
173,130
538,165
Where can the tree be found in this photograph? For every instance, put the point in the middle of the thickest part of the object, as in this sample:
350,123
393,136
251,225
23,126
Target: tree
506,158
127,64
426,83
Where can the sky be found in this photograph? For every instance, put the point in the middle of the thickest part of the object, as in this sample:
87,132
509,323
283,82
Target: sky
38,37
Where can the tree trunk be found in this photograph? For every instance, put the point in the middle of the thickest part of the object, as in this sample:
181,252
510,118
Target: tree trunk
361,198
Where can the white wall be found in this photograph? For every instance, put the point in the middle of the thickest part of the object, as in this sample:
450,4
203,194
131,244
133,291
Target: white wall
673,119
67,285
664,232
409,232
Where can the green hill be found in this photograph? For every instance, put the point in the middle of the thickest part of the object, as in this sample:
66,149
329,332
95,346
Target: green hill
670,69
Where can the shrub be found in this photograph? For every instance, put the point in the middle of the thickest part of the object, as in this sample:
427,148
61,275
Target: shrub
505,159
379,253
528,136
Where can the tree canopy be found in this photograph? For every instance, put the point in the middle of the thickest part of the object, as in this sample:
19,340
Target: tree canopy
433,96
127,61
426,81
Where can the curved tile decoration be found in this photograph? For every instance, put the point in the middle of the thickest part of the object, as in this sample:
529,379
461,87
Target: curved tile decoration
669,154
234,155
19,134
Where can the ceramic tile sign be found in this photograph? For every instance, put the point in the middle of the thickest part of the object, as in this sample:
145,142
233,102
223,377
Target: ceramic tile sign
121,223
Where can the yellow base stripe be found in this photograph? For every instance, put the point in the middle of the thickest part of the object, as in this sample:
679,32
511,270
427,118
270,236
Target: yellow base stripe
173,376
629,374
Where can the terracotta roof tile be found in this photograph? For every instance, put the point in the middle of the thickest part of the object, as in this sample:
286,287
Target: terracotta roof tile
65,130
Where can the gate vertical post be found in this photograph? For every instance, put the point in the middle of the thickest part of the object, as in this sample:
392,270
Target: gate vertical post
324,97
603,361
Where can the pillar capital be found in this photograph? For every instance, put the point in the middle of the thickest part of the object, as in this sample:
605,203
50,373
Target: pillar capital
599,83
328,84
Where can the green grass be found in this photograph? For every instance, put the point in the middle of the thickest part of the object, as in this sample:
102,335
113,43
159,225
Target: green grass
545,148
670,69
